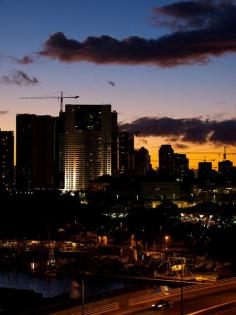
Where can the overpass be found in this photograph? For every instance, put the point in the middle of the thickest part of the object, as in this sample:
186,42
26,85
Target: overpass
197,298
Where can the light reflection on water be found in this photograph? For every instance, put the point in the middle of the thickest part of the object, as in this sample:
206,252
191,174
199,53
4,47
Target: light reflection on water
50,287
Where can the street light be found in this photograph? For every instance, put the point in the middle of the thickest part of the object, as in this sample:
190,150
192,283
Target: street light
166,241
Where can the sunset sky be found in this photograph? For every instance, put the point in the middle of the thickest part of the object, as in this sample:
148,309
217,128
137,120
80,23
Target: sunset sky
167,67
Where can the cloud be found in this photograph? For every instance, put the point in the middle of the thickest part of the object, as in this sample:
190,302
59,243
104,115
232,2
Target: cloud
111,83
195,14
203,30
3,112
181,146
25,60
192,130
19,78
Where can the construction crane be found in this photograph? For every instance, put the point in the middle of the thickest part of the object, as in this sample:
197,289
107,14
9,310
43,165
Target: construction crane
224,153
59,98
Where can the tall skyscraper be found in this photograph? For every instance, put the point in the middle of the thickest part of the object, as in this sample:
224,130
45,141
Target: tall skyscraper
166,161
225,167
35,152
141,161
126,152
181,166
59,167
204,170
114,144
87,144
6,159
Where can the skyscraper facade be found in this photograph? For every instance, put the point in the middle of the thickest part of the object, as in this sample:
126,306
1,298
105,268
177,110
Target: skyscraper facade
181,166
166,161
126,152
6,159
114,144
87,144
35,154
141,162
59,167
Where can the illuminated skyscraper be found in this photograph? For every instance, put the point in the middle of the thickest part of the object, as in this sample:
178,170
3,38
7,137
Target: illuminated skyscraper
6,159
87,144
114,144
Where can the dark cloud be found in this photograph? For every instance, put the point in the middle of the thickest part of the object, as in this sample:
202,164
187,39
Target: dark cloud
211,14
206,29
193,130
3,112
111,83
18,78
27,59
181,146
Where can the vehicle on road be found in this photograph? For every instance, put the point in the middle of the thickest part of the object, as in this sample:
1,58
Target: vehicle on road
162,305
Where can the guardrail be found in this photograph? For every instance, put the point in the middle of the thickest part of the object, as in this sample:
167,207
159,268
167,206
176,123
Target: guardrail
118,304
111,307
172,292
213,309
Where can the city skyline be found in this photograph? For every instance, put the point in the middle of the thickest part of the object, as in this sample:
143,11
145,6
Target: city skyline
142,90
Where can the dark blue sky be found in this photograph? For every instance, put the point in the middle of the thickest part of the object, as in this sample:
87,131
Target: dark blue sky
206,90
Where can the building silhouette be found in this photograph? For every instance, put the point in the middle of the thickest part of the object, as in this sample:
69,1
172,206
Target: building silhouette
141,162
166,161
181,166
126,152
59,147
226,170
87,144
35,151
114,144
205,171
6,159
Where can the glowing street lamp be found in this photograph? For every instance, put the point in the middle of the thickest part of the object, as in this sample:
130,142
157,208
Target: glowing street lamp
166,241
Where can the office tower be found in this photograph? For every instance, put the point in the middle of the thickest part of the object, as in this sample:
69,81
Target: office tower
141,162
114,144
204,170
181,166
126,152
35,154
87,144
226,169
166,161
59,167
6,159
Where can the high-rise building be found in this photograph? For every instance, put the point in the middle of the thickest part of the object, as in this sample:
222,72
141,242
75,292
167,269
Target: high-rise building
59,167
87,144
226,169
181,166
126,152
204,170
141,161
114,144
6,159
35,151
166,161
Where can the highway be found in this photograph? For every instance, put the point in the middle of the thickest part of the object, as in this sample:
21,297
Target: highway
195,303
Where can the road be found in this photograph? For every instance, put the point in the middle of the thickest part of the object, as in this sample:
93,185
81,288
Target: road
193,304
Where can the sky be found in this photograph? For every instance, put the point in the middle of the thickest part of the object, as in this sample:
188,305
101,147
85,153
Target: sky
166,66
